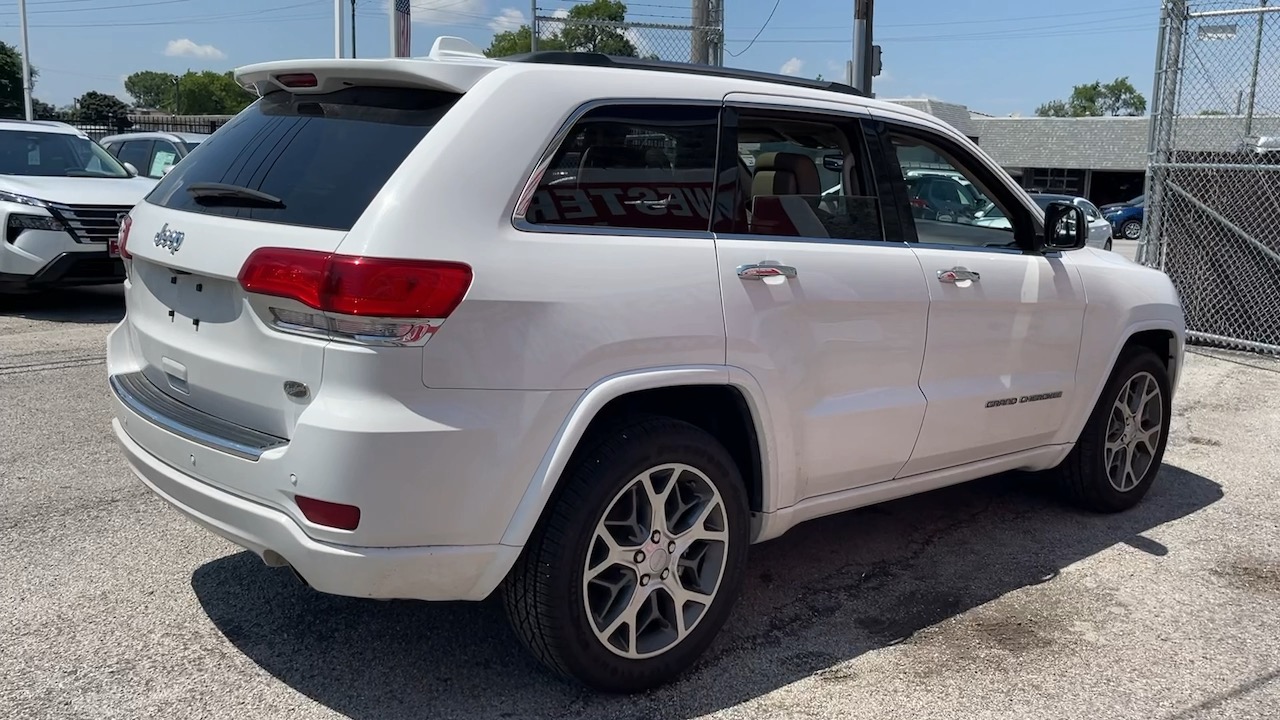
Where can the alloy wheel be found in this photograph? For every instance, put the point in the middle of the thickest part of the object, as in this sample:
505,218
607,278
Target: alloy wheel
1133,432
655,561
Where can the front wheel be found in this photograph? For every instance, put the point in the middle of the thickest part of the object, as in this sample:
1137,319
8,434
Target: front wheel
1119,453
1131,229
633,572
1107,247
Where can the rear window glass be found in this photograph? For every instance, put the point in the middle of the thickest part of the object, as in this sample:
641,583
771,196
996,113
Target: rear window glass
324,156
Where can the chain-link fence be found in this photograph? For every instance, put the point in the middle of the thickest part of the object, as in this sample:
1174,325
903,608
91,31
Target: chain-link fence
679,33
1213,183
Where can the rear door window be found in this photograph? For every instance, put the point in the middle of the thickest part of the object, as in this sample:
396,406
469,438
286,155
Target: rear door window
323,156
643,167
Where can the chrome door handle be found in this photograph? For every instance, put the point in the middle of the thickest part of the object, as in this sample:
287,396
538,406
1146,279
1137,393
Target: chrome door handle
765,269
958,274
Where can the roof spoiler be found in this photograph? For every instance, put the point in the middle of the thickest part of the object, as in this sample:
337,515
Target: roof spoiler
453,65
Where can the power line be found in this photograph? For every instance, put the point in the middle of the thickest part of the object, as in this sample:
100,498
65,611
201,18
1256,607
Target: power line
761,30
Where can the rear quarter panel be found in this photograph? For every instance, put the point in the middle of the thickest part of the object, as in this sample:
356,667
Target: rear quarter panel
546,311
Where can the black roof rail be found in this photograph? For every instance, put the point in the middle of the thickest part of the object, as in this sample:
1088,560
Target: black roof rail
592,59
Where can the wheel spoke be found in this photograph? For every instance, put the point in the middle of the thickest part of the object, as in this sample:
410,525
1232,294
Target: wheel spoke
714,512
607,553
658,484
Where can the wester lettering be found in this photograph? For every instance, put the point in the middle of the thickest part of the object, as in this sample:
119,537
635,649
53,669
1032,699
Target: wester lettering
636,204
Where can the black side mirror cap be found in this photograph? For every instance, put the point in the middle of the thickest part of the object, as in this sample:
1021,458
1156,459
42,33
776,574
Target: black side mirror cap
1065,226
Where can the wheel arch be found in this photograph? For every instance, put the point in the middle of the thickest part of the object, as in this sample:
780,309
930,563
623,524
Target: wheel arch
1163,337
735,415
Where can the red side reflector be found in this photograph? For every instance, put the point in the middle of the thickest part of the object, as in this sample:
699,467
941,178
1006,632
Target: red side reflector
329,514
360,286
297,80
118,246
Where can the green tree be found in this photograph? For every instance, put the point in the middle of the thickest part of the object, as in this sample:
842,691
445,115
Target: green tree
100,108
597,38
12,101
151,89
514,42
575,36
1118,97
211,93
41,110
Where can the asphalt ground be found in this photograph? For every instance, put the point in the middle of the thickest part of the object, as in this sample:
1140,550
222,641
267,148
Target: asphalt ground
987,600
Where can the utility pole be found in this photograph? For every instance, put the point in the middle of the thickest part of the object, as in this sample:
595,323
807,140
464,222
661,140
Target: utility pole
337,28
533,25
1253,82
700,13
26,60
353,28
866,56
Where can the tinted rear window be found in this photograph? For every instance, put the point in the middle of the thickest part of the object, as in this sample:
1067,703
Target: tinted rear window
325,156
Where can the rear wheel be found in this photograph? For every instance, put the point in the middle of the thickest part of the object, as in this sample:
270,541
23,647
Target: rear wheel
633,573
1131,229
1117,457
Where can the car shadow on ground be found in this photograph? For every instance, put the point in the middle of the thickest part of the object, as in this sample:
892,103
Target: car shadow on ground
91,305
829,591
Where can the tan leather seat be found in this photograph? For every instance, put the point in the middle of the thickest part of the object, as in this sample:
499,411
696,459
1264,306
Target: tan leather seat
777,207
784,173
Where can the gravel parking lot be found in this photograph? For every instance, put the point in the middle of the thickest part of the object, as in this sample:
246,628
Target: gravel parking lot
989,600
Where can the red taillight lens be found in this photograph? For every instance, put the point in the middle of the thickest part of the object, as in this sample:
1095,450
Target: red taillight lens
359,286
329,514
297,80
119,247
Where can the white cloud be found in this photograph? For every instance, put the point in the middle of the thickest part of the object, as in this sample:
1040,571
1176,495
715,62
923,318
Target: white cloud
444,12
185,47
560,13
792,66
644,48
509,19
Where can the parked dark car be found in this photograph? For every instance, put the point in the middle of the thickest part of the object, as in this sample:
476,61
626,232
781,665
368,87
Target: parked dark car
1125,218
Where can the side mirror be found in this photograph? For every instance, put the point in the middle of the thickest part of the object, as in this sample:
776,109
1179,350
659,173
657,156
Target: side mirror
833,162
133,171
1065,226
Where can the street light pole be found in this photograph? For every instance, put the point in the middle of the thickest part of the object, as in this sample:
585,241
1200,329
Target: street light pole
26,61
353,28
337,28
1253,82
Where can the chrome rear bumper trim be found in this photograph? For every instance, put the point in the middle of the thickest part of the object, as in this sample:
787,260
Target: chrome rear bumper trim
142,397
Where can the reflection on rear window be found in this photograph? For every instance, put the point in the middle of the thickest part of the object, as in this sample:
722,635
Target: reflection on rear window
325,156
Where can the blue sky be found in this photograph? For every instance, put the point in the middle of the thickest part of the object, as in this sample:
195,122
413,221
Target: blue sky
996,56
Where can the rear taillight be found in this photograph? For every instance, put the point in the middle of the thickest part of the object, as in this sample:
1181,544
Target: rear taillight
366,300
329,514
119,247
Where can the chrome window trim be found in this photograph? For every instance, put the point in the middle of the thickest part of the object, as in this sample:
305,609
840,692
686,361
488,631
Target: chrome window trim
129,388
518,220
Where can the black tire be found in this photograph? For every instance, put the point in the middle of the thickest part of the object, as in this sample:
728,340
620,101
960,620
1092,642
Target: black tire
543,594
1107,247
1084,475
1135,226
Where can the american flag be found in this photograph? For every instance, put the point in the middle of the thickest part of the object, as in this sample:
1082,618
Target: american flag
400,28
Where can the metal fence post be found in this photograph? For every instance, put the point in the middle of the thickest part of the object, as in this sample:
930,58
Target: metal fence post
1173,25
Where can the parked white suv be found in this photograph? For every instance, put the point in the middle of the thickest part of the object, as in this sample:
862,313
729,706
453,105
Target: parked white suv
61,197
431,328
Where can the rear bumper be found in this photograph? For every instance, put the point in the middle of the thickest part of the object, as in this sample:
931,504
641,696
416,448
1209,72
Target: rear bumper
422,573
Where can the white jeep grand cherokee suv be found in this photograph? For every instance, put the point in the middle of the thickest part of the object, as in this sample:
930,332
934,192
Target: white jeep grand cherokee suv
61,197
431,328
